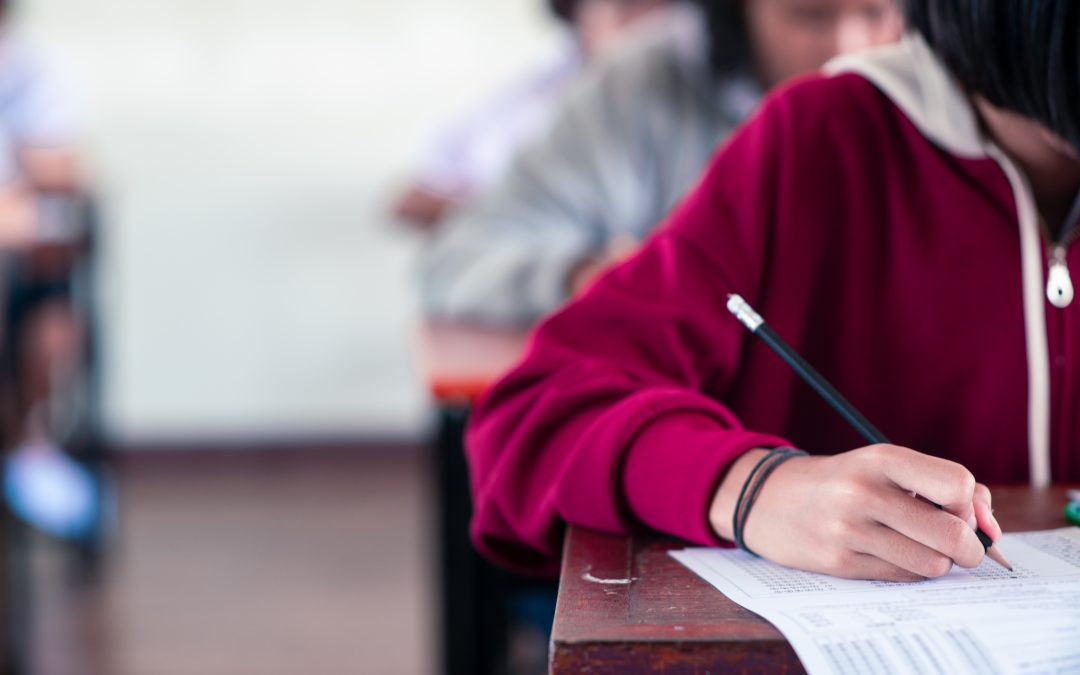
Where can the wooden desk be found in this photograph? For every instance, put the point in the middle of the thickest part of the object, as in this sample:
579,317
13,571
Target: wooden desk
666,619
459,362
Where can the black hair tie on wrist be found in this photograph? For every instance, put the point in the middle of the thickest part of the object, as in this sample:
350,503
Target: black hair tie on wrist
752,486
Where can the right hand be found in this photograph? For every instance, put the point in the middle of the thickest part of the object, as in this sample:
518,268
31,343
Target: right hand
854,515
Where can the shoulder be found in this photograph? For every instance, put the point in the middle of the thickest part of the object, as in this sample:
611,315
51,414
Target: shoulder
813,145
829,109
816,125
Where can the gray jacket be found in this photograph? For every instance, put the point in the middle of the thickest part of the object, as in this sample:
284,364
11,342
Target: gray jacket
631,137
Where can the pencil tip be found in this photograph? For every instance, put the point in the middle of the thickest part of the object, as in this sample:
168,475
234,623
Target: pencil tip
994,554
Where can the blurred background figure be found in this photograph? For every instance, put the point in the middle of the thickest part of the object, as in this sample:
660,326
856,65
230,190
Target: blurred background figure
45,340
52,474
627,142
471,153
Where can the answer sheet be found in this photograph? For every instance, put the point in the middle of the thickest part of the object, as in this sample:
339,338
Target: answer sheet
984,620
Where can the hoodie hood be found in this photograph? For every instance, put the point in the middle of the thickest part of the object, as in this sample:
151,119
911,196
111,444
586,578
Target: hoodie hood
916,80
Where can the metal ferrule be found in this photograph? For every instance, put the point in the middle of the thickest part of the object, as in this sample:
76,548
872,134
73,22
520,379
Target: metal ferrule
744,312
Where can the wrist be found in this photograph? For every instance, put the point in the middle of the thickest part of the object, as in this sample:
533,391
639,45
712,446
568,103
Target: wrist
727,493
748,495
779,492
670,473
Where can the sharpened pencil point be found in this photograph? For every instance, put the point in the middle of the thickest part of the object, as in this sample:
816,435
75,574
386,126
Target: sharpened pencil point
994,554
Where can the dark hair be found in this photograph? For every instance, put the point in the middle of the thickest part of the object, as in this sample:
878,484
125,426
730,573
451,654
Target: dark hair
1020,55
564,9
729,44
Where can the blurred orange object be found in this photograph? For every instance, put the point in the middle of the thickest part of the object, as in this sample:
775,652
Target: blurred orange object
460,361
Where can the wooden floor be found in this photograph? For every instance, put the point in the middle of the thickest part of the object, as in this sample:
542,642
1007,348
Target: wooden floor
252,562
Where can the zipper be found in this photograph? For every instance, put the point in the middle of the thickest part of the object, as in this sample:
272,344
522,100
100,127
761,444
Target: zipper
1059,286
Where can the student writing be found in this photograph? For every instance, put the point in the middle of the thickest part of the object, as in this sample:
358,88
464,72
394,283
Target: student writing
896,220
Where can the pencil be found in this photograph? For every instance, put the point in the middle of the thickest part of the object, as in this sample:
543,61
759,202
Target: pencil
756,325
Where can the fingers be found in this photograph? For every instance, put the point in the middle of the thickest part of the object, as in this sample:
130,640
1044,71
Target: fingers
939,480
866,566
866,521
984,515
929,527
905,553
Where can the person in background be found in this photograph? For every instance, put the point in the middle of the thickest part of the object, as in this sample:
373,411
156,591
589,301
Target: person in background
474,151
628,141
908,222
42,206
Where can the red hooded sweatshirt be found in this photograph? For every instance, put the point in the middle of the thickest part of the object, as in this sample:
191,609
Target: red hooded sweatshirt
867,218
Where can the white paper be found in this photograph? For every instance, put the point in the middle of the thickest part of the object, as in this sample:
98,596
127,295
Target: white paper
985,620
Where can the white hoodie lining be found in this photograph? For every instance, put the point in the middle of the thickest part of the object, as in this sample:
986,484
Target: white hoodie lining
1038,352
919,84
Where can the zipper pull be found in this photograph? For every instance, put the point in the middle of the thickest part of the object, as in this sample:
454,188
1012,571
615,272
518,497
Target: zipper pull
1059,286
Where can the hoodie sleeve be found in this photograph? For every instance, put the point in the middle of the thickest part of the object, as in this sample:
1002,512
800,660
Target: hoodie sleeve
615,419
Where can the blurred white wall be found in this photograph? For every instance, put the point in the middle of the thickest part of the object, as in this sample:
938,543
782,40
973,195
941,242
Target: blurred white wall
244,150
